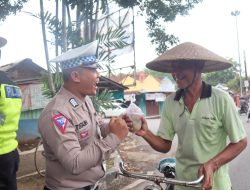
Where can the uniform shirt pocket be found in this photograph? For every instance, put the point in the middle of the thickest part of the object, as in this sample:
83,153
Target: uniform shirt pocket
83,130
209,128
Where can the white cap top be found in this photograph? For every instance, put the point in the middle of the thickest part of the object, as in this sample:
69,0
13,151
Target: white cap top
85,56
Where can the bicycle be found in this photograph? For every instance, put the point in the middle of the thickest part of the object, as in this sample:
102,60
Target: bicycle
167,167
39,158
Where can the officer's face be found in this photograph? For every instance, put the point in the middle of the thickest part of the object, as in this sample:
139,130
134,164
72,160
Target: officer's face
88,79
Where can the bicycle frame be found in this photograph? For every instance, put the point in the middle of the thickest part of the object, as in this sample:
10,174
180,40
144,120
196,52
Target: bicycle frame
159,179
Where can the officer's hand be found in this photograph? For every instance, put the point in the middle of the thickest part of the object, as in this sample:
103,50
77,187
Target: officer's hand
128,121
119,127
138,131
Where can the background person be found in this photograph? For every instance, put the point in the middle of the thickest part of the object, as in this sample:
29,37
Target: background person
10,111
203,117
75,139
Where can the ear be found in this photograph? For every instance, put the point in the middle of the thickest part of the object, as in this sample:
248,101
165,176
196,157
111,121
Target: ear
75,76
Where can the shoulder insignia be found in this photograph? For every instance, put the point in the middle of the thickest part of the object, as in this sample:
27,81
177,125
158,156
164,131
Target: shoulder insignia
73,102
60,121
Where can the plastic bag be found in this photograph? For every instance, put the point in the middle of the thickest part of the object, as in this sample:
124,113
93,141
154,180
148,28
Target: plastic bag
135,113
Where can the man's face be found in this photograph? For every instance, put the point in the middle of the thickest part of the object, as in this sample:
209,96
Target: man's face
183,74
87,83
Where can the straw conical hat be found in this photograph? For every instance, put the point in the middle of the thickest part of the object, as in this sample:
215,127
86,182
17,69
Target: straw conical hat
189,51
3,41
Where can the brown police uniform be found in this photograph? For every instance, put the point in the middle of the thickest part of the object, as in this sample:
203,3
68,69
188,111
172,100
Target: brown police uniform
76,142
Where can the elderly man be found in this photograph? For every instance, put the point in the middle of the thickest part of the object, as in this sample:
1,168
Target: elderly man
75,140
203,117
10,111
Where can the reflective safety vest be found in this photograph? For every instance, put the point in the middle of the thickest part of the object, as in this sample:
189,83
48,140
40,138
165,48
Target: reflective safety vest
10,111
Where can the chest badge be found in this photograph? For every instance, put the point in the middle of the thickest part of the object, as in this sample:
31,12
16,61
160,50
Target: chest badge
84,134
73,102
60,121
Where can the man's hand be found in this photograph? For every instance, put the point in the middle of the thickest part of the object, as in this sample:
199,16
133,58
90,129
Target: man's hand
207,170
119,127
144,126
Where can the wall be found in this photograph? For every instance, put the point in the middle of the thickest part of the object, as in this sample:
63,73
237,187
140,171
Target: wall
28,125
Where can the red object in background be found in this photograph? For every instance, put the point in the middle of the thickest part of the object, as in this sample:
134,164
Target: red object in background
237,100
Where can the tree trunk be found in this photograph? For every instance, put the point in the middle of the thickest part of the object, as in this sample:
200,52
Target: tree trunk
57,37
51,84
64,33
95,22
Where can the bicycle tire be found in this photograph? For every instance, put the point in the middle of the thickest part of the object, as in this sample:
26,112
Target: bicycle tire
39,159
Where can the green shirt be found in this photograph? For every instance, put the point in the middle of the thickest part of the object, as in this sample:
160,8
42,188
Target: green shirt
203,133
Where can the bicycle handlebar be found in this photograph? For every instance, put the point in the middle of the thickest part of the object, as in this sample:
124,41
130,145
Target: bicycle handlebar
160,179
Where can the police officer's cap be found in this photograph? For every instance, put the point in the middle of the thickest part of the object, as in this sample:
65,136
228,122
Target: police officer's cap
3,41
84,56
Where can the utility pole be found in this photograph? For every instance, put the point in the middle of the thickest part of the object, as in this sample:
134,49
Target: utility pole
245,63
235,14
246,77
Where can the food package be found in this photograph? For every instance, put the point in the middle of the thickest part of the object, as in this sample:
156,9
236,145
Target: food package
135,113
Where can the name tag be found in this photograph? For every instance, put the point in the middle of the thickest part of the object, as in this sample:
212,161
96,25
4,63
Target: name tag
12,92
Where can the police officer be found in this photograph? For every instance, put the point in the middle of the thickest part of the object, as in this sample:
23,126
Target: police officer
10,110
75,140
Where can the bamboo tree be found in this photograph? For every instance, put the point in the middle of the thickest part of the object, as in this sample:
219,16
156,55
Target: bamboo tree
51,84
64,33
69,33
56,35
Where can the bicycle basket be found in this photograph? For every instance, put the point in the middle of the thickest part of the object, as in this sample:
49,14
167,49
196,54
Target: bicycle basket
167,167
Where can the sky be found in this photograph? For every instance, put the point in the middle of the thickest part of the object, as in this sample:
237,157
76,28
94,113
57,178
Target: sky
209,24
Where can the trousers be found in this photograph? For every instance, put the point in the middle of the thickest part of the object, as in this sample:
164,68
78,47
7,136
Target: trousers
8,167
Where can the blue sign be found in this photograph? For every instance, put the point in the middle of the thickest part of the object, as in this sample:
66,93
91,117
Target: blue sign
12,92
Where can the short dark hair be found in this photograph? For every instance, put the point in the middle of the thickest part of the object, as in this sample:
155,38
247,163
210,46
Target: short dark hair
66,72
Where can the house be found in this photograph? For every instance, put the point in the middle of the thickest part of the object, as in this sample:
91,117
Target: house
28,76
148,92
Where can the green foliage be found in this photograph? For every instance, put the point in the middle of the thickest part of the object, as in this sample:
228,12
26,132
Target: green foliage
57,80
230,77
128,3
87,5
55,27
102,100
8,7
112,40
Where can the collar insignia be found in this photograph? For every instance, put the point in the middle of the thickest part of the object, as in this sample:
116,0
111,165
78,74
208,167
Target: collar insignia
73,102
